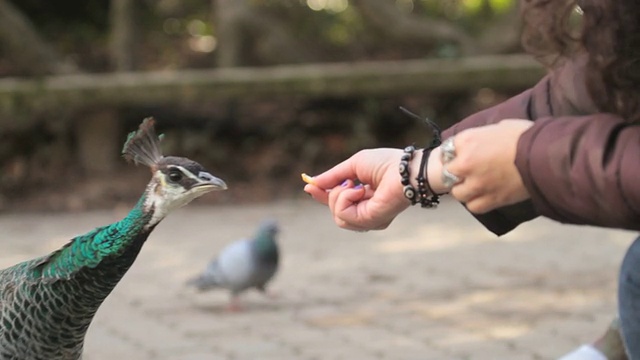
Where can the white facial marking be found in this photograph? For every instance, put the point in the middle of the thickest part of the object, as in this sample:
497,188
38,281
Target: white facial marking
185,172
166,196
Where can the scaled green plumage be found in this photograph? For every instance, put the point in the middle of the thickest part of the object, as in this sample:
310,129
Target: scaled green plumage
47,304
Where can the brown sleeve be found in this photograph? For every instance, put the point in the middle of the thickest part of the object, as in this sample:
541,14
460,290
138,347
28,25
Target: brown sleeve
583,169
522,106
573,180
531,104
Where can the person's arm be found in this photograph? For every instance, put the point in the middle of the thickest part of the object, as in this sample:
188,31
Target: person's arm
583,169
561,93
530,104
375,205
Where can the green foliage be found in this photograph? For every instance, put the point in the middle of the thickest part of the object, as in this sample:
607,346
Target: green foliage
175,34
476,6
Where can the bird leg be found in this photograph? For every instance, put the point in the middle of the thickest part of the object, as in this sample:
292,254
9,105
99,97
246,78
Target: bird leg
268,294
234,304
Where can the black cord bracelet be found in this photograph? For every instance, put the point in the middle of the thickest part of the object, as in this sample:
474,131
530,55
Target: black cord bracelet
424,189
425,194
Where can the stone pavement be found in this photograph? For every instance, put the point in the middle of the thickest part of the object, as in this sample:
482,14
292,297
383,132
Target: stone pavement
435,285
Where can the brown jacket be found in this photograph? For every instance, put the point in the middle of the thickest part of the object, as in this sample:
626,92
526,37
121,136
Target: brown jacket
579,166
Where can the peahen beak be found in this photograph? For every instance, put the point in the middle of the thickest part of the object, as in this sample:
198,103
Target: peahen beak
210,182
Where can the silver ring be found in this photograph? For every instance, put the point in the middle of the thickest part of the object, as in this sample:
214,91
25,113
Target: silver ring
447,150
449,179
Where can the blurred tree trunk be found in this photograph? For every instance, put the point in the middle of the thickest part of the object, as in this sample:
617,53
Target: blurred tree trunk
486,9
27,49
97,132
385,15
122,37
248,35
228,16
503,35
498,37
98,129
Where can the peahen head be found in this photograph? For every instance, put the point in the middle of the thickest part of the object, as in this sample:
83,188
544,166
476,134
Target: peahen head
175,181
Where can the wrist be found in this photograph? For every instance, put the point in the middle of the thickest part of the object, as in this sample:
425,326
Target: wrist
414,168
434,172
416,187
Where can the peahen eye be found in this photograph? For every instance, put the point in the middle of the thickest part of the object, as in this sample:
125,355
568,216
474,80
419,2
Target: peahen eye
175,175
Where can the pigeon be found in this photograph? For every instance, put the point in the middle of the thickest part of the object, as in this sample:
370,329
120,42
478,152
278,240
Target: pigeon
242,265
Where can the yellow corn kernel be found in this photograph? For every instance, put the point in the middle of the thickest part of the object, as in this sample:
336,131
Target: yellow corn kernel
308,179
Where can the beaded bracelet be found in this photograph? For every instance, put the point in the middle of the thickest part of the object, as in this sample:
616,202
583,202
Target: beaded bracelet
408,190
424,189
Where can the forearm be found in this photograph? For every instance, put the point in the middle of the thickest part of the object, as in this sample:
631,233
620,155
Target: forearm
432,171
530,104
583,170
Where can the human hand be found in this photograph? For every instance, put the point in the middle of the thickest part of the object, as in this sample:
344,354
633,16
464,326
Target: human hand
371,206
485,163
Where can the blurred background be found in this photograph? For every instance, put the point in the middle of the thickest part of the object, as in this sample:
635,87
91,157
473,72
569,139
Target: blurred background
258,91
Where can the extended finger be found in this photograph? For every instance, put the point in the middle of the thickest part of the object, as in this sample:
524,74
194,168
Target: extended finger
336,175
318,194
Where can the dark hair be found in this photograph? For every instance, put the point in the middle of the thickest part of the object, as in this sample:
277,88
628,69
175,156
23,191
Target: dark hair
608,31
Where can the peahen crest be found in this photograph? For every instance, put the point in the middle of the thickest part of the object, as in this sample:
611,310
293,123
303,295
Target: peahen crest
143,146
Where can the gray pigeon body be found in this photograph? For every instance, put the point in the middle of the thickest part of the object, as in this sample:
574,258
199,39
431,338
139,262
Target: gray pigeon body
243,264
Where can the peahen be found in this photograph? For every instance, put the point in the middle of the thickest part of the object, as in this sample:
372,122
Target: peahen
243,264
47,304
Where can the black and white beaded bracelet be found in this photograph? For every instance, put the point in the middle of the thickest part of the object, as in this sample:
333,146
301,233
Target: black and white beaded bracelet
408,190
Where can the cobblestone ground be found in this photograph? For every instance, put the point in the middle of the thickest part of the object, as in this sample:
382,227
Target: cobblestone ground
435,285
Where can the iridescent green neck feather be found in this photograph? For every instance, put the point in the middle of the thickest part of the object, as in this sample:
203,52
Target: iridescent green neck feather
96,246
47,304
266,246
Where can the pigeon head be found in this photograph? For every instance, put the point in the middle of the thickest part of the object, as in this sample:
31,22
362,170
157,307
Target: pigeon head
268,228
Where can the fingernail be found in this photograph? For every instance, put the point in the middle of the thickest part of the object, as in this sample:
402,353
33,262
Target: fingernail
345,183
358,187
